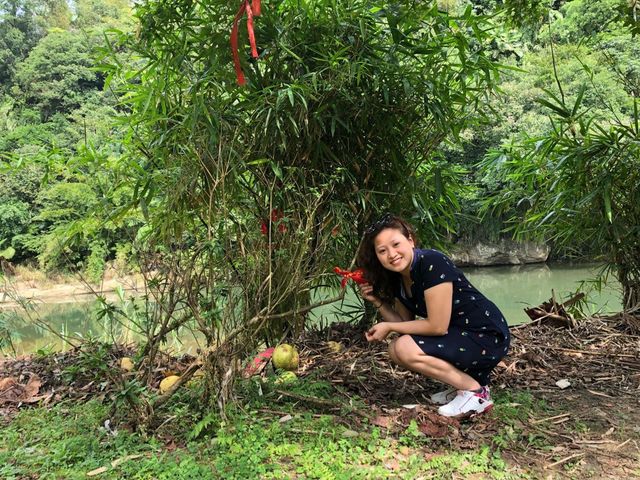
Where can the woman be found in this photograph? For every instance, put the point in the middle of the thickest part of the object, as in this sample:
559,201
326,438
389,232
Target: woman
459,335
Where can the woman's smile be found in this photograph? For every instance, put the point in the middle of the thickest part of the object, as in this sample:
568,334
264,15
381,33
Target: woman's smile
394,250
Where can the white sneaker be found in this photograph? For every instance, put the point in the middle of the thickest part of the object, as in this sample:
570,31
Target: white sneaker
467,402
444,397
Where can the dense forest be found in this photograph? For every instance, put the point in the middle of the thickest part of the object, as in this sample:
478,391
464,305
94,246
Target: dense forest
63,134
60,137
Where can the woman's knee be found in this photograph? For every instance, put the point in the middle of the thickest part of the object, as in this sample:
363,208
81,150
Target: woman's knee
405,349
392,351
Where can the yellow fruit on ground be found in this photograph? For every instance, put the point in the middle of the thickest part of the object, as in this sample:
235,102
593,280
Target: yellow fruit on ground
168,382
286,378
126,364
335,347
285,357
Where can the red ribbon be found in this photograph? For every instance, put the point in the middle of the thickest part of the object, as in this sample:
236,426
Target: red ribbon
357,276
252,11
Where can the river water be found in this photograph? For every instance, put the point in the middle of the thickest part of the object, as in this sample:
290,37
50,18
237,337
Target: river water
511,288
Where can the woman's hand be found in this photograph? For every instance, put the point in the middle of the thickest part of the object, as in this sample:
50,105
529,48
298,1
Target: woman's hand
366,292
378,332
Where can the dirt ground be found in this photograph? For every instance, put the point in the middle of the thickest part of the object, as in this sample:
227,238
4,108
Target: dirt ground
588,429
585,426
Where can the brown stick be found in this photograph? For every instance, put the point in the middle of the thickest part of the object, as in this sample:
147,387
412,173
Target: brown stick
586,352
566,459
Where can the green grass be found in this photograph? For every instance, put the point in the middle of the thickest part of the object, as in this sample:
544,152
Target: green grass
68,440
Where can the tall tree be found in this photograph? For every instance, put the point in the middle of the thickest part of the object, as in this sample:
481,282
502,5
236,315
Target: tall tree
58,74
268,185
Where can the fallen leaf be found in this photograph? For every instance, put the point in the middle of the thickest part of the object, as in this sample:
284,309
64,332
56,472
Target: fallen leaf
392,464
382,421
97,471
7,383
286,418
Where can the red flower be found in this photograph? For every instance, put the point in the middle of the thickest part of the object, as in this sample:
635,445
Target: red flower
276,215
357,276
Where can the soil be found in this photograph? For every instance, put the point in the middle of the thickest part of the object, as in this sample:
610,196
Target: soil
592,429
589,428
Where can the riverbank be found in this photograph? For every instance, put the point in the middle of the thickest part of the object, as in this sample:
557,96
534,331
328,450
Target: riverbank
35,286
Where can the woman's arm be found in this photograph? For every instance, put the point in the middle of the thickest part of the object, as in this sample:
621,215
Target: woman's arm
439,305
397,313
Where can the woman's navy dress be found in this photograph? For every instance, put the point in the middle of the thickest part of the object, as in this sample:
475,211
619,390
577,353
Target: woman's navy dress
478,335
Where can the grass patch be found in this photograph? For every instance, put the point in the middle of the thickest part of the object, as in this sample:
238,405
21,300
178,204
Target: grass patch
514,410
70,440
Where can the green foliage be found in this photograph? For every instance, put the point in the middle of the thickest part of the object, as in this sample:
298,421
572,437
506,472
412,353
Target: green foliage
57,77
67,441
14,219
96,261
603,65
8,335
92,364
19,32
574,183
102,14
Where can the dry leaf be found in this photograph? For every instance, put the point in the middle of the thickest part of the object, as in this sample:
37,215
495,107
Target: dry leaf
392,464
97,471
382,421
117,462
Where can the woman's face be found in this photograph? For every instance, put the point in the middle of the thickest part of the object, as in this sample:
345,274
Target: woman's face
394,250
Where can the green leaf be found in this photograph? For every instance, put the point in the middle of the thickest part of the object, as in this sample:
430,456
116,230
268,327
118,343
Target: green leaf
7,253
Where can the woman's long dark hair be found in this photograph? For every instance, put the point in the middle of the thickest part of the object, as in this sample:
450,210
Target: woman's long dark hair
381,278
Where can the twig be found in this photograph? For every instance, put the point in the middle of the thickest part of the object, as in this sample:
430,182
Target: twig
310,399
586,352
566,459
622,444
323,403
535,422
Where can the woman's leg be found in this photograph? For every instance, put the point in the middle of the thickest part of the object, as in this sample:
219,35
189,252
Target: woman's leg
405,352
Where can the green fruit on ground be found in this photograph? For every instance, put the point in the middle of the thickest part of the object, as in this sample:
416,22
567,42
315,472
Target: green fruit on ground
286,377
285,357
168,382
335,347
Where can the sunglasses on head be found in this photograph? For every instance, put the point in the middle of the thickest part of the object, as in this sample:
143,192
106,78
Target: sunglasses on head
384,221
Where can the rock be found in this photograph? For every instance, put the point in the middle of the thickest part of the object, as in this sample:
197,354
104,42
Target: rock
168,382
562,384
503,252
285,357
